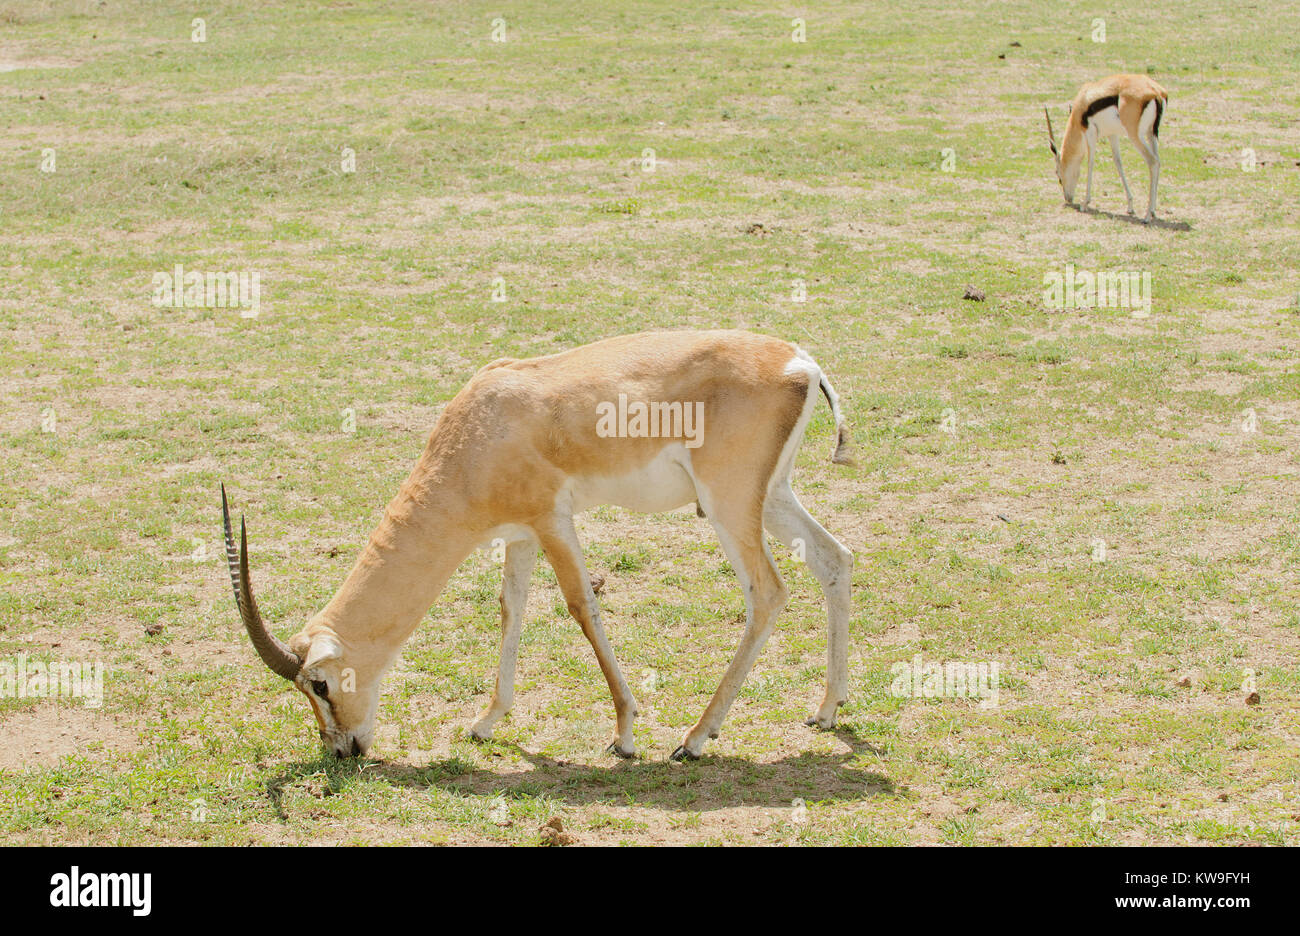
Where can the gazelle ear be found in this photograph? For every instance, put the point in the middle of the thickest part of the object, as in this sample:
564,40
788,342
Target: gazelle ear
323,647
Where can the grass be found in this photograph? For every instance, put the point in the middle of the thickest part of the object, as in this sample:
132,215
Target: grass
797,189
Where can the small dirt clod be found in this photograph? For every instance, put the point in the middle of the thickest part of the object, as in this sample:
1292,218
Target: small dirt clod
553,833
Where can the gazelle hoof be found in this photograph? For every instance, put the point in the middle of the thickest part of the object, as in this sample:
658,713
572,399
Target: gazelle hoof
825,724
615,749
681,754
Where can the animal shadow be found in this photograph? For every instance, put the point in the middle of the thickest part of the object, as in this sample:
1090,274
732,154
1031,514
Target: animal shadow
1134,219
713,782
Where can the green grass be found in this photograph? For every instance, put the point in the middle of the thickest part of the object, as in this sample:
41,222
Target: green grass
780,170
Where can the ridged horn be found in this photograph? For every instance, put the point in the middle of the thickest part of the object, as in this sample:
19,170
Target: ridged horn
1051,137
281,660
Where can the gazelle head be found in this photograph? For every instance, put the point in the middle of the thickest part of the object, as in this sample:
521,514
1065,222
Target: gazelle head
1067,170
344,693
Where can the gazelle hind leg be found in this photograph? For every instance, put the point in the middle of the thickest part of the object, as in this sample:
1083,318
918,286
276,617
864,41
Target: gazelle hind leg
1153,164
1150,150
1119,167
1148,144
740,530
832,564
560,543
521,556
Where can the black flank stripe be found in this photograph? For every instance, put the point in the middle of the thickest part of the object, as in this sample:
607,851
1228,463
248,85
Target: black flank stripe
1099,105
1160,109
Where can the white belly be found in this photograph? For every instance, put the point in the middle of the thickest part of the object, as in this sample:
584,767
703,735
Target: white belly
661,484
1106,123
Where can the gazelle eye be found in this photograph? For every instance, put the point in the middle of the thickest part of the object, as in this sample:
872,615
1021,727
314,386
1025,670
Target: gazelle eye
320,687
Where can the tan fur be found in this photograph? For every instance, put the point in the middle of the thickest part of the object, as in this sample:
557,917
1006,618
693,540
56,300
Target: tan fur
507,450
1134,93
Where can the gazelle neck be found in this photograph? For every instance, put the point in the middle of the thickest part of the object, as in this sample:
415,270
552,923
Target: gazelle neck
1073,146
411,555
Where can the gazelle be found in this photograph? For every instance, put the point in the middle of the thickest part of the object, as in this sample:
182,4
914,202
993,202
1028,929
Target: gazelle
525,446
1103,110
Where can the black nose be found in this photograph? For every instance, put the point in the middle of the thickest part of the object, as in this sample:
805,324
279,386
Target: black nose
356,748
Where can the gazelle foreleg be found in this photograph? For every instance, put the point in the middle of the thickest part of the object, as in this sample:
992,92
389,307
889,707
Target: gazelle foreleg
560,543
740,529
832,564
1119,167
1087,197
521,556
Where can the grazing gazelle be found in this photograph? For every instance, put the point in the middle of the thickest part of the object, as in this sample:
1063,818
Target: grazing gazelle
714,417
1103,110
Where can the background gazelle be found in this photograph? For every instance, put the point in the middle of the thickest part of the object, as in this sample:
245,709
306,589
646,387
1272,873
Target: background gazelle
516,454
1102,110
